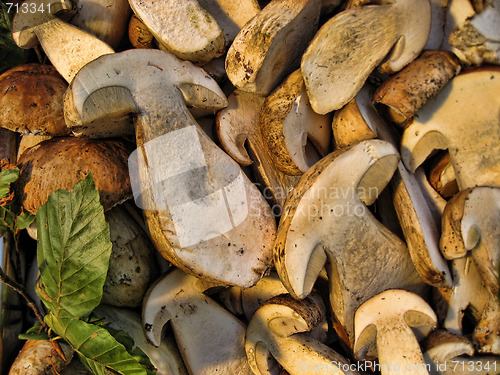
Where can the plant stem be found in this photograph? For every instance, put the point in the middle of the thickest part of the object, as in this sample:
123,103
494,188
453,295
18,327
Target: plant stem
20,289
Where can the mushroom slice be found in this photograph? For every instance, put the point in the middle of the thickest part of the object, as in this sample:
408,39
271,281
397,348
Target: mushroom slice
267,48
326,219
67,47
436,35
389,326
139,34
198,323
165,357
404,93
449,354
61,162
203,214
342,54
288,122
279,331
106,19
442,177
30,140
445,123
183,28
239,124
479,37
31,100
417,221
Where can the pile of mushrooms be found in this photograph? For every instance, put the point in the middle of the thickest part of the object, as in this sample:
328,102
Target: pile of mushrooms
313,184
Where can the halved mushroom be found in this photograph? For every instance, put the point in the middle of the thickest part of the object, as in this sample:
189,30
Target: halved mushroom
290,127
66,46
463,118
389,326
31,100
60,163
182,27
326,219
279,334
267,48
210,339
400,96
237,125
106,19
196,200
349,47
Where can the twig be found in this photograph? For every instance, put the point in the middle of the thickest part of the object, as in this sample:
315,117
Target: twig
20,289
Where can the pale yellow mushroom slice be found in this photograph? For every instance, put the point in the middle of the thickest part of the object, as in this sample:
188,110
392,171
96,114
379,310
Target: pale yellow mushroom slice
354,42
203,213
279,334
237,126
326,219
67,47
210,339
267,48
296,136
182,27
442,177
462,118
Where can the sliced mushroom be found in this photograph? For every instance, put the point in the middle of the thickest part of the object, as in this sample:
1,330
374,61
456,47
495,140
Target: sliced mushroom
196,199
198,324
106,19
471,223
139,34
237,125
389,326
30,140
442,177
267,48
66,46
165,357
60,163
445,123
183,28
404,93
478,38
436,35
288,122
279,332
31,100
449,354
326,219
342,54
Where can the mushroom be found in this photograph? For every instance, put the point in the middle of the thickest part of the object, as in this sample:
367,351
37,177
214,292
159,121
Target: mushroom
198,323
449,354
60,163
471,224
67,47
176,165
30,140
8,144
400,96
165,357
288,122
478,37
325,219
445,123
280,332
267,48
106,19
238,124
442,177
182,27
31,100
389,326
139,34
342,55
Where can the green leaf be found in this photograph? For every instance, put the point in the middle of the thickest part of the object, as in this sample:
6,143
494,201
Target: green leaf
7,220
97,348
73,250
35,333
23,221
7,176
10,54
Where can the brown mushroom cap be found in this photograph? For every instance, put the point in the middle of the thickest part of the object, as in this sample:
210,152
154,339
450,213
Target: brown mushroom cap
60,163
31,100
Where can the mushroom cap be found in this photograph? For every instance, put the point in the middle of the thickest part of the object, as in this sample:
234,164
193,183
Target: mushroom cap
60,163
31,100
